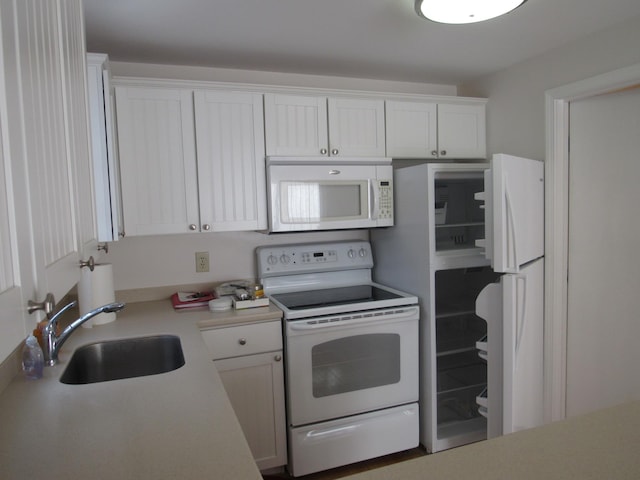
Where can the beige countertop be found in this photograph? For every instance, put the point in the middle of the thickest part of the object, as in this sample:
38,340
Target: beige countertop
178,424
597,446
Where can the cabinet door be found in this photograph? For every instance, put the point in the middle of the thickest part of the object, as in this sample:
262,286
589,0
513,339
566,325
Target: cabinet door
356,127
77,122
157,160
255,386
12,321
461,131
49,164
106,172
412,130
231,163
296,125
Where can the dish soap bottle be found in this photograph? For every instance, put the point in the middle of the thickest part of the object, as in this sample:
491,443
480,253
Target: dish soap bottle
32,358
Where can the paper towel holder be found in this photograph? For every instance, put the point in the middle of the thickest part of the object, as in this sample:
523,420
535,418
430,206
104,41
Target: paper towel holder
91,263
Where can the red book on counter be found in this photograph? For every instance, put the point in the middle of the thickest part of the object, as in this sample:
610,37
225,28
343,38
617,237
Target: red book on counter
191,299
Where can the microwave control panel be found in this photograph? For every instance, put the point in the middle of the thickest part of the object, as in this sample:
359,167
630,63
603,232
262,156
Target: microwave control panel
385,209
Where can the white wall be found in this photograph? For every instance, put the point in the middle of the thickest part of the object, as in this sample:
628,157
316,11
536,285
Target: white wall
142,262
515,111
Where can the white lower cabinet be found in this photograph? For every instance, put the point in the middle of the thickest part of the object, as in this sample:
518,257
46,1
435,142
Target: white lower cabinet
249,361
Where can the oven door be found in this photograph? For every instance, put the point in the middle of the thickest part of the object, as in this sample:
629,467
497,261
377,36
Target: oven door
349,364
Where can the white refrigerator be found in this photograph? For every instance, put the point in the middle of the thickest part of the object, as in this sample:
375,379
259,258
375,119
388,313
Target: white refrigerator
467,234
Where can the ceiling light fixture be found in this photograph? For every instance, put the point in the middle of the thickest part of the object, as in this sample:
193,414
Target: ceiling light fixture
464,11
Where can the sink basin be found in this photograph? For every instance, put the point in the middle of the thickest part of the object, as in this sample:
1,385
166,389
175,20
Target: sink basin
127,358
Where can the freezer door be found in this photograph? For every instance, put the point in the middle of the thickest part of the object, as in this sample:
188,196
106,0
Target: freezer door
523,348
514,212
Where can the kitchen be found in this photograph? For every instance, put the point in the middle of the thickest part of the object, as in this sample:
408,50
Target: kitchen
168,260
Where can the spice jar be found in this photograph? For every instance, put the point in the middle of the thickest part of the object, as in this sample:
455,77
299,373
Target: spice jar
257,291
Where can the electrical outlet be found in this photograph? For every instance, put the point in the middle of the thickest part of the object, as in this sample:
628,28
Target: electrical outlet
202,262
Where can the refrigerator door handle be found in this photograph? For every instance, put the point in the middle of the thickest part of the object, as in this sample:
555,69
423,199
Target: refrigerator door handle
510,234
521,315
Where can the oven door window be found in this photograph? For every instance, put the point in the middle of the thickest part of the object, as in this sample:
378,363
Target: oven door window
355,363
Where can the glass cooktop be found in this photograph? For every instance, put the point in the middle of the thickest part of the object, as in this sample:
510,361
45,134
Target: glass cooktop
329,297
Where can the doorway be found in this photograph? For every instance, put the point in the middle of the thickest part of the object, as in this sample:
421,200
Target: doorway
558,328
603,301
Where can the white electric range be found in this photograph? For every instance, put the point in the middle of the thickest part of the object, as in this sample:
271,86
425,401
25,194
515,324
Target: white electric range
351,354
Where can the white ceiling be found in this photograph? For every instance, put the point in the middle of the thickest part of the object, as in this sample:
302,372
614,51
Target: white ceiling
379,39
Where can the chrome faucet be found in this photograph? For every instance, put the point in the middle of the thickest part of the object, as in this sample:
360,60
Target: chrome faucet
53,342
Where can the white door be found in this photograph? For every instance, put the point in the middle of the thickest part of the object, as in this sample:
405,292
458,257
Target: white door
231,162
12,312
335,370
156,136
515,210
603,300
461,131
255,386
412,130
513,309
296,125
49,162
356,128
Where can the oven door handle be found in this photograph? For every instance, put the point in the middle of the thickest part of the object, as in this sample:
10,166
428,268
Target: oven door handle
398,316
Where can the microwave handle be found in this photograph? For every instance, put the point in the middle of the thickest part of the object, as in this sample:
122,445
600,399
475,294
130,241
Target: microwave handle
374,196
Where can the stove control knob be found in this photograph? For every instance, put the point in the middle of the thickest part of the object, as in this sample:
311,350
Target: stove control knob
362,252
284,258
351,253
272,259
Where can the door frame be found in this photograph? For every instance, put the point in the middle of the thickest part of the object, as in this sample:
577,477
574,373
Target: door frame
557,102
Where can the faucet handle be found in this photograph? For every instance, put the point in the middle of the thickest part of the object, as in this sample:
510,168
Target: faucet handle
53,320
47,305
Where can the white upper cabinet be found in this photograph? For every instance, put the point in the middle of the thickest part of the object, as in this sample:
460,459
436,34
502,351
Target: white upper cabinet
54,114
74,75
156,135
298,125
231,165
435,131
190,161
462,131
46,197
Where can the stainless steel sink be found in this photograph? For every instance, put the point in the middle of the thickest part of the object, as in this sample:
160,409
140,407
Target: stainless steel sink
127,358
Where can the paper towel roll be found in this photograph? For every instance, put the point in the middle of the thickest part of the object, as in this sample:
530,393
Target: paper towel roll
94,290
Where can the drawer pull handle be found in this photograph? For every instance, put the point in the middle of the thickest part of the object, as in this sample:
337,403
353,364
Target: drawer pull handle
277,358
242,341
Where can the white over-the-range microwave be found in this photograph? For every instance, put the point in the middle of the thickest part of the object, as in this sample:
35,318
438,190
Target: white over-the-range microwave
324,193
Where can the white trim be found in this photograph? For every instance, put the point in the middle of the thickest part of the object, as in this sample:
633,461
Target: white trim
122,80
556,224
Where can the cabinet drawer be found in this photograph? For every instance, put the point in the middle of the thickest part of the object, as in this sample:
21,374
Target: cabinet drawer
243,340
